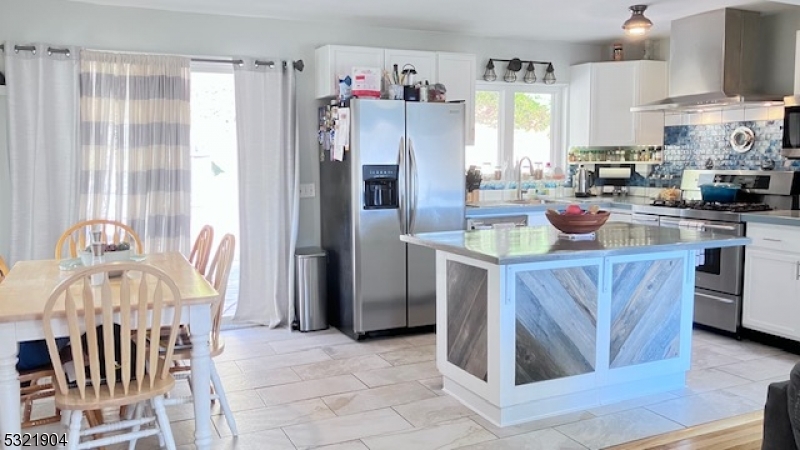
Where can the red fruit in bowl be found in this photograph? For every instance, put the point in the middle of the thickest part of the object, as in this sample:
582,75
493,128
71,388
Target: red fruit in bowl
573,210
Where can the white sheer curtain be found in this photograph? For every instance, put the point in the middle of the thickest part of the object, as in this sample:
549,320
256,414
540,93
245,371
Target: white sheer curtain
43,147
135,120
266,130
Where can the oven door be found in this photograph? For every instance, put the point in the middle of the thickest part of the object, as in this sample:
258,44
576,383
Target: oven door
721,269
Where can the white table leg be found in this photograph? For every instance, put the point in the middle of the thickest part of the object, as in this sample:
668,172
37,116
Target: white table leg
9,383
200,324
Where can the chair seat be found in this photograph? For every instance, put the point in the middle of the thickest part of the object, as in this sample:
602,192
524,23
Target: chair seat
71,400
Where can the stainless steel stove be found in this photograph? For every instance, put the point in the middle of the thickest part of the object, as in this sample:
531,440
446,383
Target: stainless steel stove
720,272
698,209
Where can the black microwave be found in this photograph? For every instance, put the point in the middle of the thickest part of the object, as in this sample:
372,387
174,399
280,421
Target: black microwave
791,127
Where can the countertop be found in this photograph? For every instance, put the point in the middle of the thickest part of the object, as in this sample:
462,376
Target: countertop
777,217
535,244
499,208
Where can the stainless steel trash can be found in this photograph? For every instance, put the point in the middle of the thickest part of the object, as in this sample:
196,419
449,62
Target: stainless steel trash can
309,289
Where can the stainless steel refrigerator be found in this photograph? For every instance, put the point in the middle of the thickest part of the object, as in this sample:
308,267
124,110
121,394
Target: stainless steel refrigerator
403,174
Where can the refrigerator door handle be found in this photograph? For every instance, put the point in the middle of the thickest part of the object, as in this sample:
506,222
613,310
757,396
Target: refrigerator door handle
401,163
412,159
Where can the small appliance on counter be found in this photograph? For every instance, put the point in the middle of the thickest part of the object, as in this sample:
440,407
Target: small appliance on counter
584,180
615,179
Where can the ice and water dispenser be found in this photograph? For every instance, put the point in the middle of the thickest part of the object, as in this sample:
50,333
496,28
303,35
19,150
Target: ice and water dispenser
381,186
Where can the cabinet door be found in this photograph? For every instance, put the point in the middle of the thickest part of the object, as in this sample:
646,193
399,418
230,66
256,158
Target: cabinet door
651,86
619,217
334,61
771,292
612,97
537,219
458,73
580,105
423,62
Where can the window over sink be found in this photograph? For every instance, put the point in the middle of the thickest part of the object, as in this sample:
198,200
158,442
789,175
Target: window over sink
517,120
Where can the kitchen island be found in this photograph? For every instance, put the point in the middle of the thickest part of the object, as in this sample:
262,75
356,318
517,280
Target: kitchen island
530,325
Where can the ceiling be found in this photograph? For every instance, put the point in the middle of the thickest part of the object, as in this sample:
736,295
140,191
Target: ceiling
559,20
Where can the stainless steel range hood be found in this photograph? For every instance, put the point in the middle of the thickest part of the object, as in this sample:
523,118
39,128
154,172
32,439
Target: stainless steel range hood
712,62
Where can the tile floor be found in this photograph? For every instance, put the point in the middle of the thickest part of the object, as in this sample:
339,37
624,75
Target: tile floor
322,390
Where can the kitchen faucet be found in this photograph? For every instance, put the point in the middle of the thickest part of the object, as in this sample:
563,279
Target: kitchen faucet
519,175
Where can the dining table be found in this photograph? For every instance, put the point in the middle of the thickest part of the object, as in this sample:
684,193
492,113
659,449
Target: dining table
24,293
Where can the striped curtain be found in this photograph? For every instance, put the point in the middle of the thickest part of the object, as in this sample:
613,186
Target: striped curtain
134,115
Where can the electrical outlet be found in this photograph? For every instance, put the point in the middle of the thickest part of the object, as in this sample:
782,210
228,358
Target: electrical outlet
308,190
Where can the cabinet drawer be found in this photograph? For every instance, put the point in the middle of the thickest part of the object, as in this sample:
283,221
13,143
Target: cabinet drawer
774,237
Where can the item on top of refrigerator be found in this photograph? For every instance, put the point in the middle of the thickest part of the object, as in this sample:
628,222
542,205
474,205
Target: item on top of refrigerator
438,93
345,88
409,72
366,82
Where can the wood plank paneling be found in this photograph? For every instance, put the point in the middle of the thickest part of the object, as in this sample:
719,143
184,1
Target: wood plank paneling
556,323
646,311
467,338
741,433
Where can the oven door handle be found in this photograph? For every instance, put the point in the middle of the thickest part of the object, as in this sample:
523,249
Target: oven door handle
714,297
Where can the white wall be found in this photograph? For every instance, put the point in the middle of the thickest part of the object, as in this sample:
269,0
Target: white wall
114,28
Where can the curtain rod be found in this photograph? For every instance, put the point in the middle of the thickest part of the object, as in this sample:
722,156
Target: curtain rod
32,49
297,65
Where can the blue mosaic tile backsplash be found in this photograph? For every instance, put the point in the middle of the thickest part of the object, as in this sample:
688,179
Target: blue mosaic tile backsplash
691,146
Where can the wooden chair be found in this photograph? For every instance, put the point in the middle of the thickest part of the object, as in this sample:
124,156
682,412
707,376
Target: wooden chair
34,384
140,375
78,236
218,277
202,249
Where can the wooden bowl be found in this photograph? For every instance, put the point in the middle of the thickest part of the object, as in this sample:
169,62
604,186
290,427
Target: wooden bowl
577,223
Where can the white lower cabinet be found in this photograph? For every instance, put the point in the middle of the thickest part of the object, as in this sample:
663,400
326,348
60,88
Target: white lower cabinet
771,300
536,219
617,216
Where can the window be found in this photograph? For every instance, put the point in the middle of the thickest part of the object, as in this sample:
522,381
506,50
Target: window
215,181
513,121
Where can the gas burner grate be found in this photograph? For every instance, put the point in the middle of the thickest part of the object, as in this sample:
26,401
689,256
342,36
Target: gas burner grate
713,206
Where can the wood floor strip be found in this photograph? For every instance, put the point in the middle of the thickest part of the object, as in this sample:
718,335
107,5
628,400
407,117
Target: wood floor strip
736,433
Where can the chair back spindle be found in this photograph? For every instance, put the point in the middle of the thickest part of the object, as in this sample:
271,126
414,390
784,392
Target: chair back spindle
202,249
217,275
110,326
78,236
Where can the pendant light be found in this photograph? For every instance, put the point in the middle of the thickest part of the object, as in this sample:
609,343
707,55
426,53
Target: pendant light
489,75
550,74
638,24
530,75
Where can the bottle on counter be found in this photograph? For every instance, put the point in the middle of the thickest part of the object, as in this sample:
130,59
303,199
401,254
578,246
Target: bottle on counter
538,172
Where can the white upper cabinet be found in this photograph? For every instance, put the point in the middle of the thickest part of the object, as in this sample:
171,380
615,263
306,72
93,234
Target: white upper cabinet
600,101
332,61
458,73
424,63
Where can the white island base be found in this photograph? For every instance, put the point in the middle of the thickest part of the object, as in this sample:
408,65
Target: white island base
550,332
